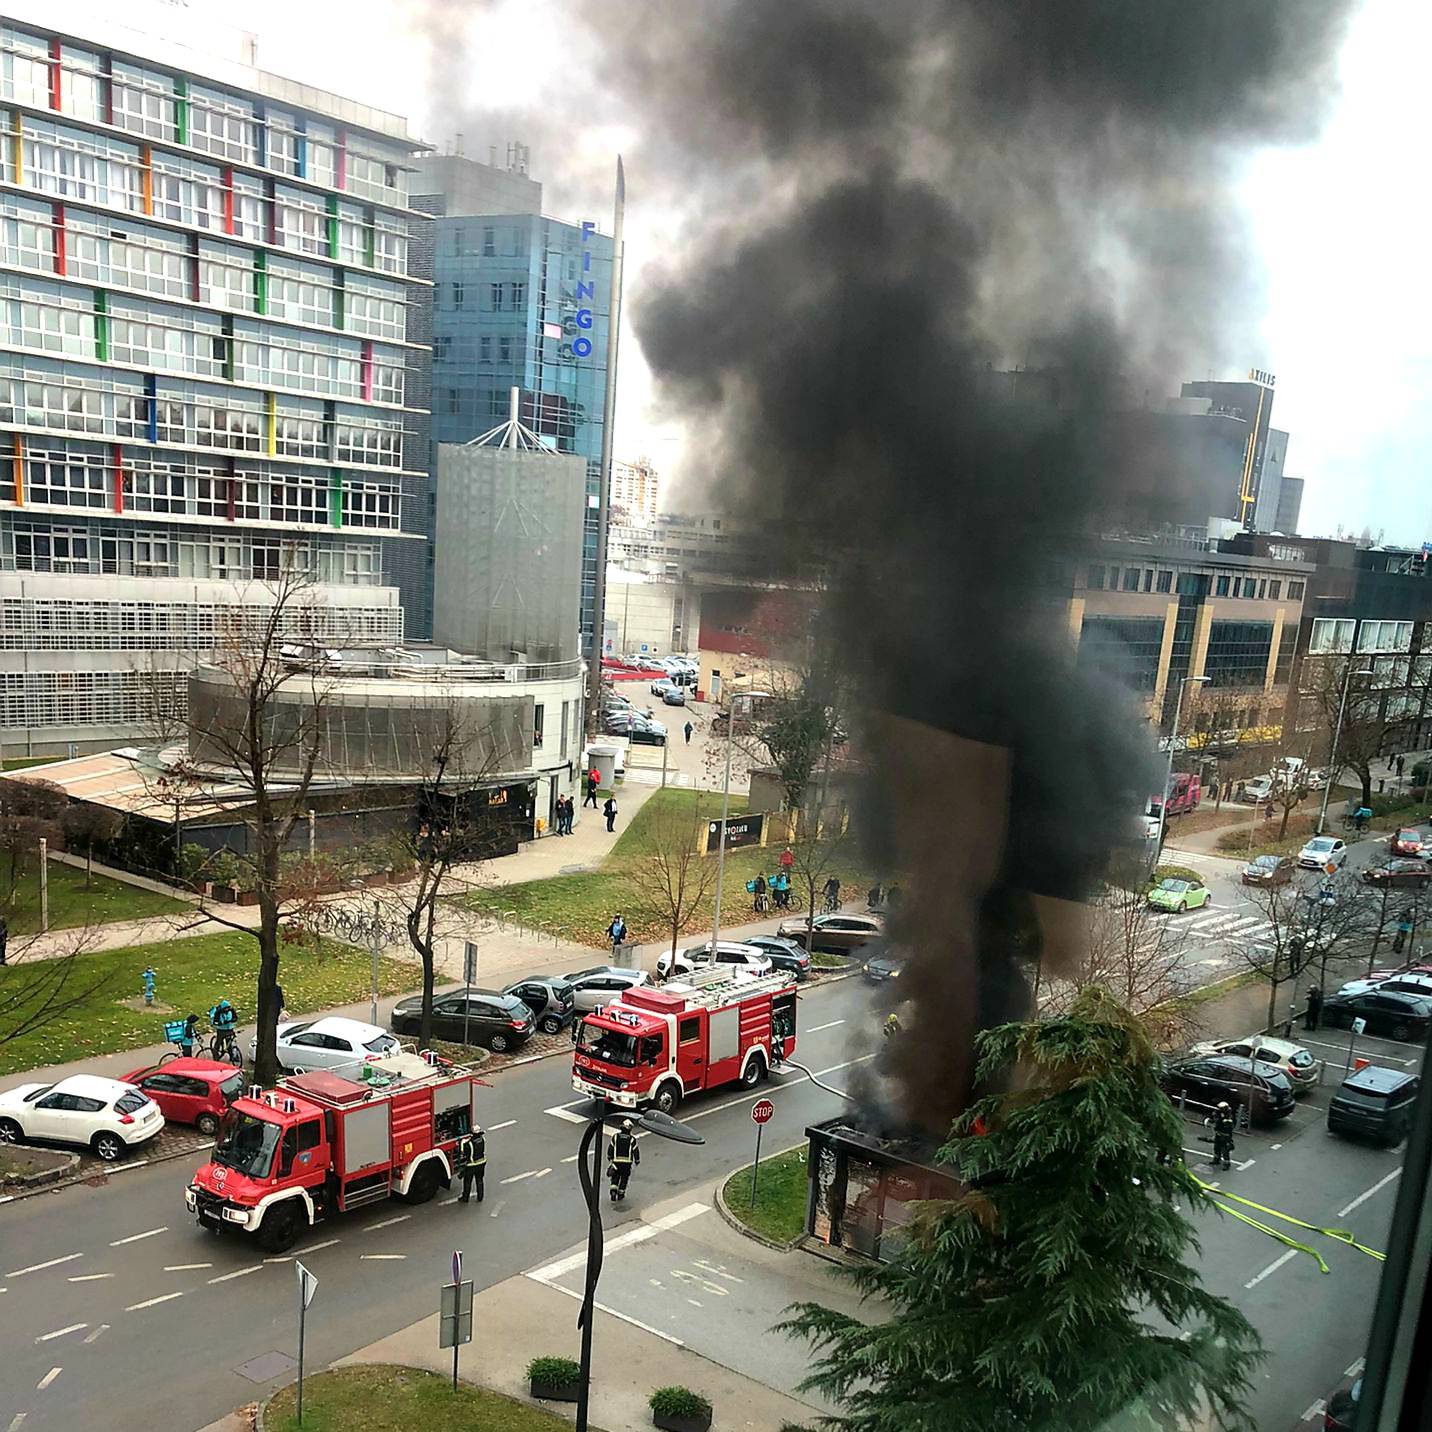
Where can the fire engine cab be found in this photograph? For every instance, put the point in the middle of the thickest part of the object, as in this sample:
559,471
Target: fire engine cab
655,1046
321,1144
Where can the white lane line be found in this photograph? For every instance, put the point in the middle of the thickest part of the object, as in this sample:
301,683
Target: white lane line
1356,1368
314,1247
382,1257
17,1421
136,1237
506,1124
816,1029
612,1312
60,1332
531,1173
48,1378
564,1111
1271,1268
442,1202
1273,1148
387,1222
88,1277
639,1234
185,1267
571,1158
1315,1409
1363,1197
152,1302
237,1273
102,1328
125,1167
40,1267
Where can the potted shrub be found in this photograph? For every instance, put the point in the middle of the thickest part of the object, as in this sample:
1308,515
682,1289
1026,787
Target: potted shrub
556,1379
678,1409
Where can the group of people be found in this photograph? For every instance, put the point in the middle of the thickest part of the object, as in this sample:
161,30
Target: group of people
565,813
766,891
881,897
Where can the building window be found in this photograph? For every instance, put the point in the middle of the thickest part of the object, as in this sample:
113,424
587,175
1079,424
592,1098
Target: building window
1262,588
1094,579
1385,636
504,350
1148,579
457,295
484,349
1275,589
1295,591
538,713
495,293
519,297
1220,587
1131,579
566,716
1165,581
1238,652
1331,635
489,243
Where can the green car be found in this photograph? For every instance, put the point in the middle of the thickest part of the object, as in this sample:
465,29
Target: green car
1178,895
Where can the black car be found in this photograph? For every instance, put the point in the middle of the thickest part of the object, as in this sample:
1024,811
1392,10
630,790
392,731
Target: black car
499,1020
1397,1014
884,967
1213,1079
551,1000
1399,875
783,954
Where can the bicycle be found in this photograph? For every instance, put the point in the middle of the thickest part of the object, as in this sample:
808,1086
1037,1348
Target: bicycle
832,902
224,1047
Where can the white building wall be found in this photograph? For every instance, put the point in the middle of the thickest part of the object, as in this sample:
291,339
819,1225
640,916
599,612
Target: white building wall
652,617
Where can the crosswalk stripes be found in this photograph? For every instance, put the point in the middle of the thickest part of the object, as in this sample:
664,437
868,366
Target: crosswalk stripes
1223,927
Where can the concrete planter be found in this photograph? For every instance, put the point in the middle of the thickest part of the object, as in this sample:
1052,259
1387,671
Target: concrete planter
681,1424
556,1391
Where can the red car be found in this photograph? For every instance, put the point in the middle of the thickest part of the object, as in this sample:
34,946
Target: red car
1406,842
190,1091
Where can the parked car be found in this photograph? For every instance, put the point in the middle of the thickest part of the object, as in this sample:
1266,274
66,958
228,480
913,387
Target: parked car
662,685
884,967
601,984
1258,790
1398,875
1269,870
1291,1060
1210,1079
783,954
550,999
1316,778
1417,982
1395,1014
1374,1103
190,1091
1176,895
647,733
106,1116
838,934
674,696
487,1016
1406,842
332,1042
1322,851
735,953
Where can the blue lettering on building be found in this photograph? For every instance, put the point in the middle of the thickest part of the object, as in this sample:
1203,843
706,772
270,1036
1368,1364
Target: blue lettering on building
581,345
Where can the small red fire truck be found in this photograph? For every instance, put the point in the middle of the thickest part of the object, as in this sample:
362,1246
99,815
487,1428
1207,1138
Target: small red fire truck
655,1046
1185,791
321,1144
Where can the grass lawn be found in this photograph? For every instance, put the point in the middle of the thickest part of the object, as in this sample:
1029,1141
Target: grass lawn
780,1208
400,1399
581,906
20,763
72,904
192,974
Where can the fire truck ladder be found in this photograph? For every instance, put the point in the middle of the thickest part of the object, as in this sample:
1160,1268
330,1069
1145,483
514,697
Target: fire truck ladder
713,988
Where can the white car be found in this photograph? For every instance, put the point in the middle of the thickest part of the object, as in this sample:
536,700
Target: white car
335,1043
97,1113
1292,1060
728,952
1258,790
1408,982
1321,851
601,985
662,685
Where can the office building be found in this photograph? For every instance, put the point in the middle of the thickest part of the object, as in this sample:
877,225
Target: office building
1226,428
1290,506
203,356
635,492
519,300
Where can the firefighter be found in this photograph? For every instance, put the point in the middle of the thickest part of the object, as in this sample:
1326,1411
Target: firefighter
892,1024
622,1156
1222,1123
472,1162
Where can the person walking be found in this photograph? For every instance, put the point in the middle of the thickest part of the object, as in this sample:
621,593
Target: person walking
617,933
594,779
1398,763
623,1155
1213,789
1221,1121
1315,1008
472,1162
610,811
787,859
189,1036
1404,929
688,728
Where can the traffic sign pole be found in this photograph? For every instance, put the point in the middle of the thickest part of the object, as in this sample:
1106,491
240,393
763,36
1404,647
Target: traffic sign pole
307,1286
761,1112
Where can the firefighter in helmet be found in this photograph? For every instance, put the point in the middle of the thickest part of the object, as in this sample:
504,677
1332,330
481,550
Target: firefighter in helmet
1222,1122
622,1156
892,1024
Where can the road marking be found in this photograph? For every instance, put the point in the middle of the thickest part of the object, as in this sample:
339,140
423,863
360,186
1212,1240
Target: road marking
639,1234
817,1029
506,1124
387,1222
612,1312
693,1302
136,1237
48,1378
1356,1368
125,1167
1315,1409
1275,1146
237,1273
443,1201
382,1257
1363,1197
1271,1268
17,1420
88,1277
60,1332
151,1302
718,1270
314,1247
571,1158
531,1173
183,1267
40,1267
564,1111
94,1336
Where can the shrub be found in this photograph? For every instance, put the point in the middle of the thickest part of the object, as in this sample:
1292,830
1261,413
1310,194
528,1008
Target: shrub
553,1371
679,1402
1173,872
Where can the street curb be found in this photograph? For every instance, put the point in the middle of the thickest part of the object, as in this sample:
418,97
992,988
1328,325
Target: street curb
724,1209
34,1181
109,1171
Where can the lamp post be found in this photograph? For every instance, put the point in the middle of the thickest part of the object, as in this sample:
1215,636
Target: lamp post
1337,735
725,814
654,1122
1168,773
377,933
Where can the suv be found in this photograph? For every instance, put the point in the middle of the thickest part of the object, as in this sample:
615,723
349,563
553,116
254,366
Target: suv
1397,1014
484,1016
1211,1079
783,954
728,952
550,999
837,933
1376,1103
1291,1060
601,984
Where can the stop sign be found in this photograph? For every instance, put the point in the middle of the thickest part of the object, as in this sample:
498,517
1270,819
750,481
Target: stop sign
762,1111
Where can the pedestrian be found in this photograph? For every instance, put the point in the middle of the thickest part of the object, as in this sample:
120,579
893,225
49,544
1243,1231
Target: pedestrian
472,1162
564,815
892,897
1242,793
1213,788
689,728
610,811
1315,1008
189,1036
892,1024
832,894
787,859
874,896
617,933
1398,764
758,889
4,938
1221,1121
594,779
1404,929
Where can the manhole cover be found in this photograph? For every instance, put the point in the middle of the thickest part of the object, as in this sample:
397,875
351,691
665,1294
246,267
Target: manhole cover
266,1366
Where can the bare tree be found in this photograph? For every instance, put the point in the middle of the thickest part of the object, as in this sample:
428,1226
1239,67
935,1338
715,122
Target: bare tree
29,812
673,879
1363,729
86,825
39,988
1290,779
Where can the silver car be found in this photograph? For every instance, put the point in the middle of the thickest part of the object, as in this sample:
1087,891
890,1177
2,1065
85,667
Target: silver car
601,984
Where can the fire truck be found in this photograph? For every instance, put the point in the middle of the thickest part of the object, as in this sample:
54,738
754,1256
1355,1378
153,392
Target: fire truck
1184,793
321,1144
655,1046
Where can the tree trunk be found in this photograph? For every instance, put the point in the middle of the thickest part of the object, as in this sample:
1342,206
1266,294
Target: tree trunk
1273,983
1365,776
1283,826
425,1023
266,1052
89,865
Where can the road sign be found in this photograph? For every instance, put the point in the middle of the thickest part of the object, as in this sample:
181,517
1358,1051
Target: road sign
307,1287
457,1266
762,1111
1358,1025
469,963
307,1283
1330,868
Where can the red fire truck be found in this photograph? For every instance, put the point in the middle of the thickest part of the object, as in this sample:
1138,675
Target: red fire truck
1184,793
655,1046
321,1144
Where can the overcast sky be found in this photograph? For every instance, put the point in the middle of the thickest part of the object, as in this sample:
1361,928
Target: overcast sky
1342,225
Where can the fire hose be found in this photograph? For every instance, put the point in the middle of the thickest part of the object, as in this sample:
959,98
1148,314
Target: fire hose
779,1058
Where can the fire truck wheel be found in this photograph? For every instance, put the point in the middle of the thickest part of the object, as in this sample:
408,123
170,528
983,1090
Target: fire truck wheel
754,1071
425,1183
667,1097
281,1227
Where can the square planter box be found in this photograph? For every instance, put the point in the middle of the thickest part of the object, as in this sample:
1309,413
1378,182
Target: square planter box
681,1424
557,1391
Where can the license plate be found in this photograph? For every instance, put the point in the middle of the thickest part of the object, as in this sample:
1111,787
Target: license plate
211,1214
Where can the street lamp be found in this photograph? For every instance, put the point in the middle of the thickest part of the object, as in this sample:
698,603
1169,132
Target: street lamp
654,1122
1337,734
378,935
1168,774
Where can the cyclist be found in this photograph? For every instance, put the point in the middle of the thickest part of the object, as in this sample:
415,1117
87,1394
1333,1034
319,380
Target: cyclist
224,1019
189,1036
758,889
832,894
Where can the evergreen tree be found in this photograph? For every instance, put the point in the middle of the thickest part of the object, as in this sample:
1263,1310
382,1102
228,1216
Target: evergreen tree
1051,1295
